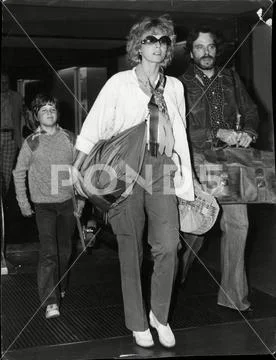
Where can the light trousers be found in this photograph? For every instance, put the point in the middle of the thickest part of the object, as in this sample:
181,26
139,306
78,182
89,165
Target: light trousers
234,225
128,220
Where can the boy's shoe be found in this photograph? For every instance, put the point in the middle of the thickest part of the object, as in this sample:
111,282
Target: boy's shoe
165,334
143,338
52,311
62,294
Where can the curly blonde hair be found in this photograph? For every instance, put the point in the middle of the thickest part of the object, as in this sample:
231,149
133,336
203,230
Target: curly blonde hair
162,23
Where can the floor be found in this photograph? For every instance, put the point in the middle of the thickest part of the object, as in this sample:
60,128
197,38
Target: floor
260,249
207,341
91,324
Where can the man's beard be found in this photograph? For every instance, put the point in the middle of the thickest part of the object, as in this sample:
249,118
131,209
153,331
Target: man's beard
209,66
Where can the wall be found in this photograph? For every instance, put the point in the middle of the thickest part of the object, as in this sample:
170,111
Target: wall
63,89
96,78
123,63
262,81
66,89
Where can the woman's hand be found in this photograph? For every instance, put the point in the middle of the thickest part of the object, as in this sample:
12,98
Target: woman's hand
77,178
80,206
77,181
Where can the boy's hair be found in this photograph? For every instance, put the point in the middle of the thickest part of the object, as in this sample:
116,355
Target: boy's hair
41,100
163,23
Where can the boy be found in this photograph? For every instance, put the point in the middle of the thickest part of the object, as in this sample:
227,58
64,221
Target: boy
46,153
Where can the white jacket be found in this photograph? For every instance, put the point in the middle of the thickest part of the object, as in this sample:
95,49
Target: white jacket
121,104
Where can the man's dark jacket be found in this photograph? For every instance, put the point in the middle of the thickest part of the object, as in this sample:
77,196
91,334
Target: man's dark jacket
197,108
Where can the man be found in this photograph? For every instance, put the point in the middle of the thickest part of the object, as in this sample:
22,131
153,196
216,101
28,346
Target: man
212,123
11,110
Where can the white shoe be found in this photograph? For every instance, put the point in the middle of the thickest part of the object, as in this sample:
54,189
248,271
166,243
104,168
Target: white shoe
143,338
52,311
165,334
62,294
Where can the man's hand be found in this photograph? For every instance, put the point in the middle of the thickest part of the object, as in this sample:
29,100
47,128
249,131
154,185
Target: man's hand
229,136
244,139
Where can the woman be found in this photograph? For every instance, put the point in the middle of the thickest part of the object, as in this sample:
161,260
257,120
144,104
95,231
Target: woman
127,99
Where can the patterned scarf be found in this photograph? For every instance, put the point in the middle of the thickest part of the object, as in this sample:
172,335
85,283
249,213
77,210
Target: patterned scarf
160,128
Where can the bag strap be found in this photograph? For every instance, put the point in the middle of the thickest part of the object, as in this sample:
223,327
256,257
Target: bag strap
237,101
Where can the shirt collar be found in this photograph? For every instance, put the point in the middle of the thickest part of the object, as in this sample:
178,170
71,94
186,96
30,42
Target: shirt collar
136,77
200,73
39,130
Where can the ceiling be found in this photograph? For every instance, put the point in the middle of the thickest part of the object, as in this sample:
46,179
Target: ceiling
41,35
103,25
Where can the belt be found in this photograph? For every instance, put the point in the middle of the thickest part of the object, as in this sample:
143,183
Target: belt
152,147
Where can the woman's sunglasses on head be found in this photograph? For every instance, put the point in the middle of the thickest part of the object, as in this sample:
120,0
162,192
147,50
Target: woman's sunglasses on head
150,40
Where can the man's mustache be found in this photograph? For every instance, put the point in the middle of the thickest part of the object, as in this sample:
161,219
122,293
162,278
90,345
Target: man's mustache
207,57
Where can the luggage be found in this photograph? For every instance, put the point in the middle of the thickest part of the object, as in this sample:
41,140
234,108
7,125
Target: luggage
237,175
106,176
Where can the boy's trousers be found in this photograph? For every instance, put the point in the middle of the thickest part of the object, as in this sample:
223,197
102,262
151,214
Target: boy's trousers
56,224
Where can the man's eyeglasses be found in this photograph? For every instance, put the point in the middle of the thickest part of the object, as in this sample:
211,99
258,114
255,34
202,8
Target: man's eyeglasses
150,40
